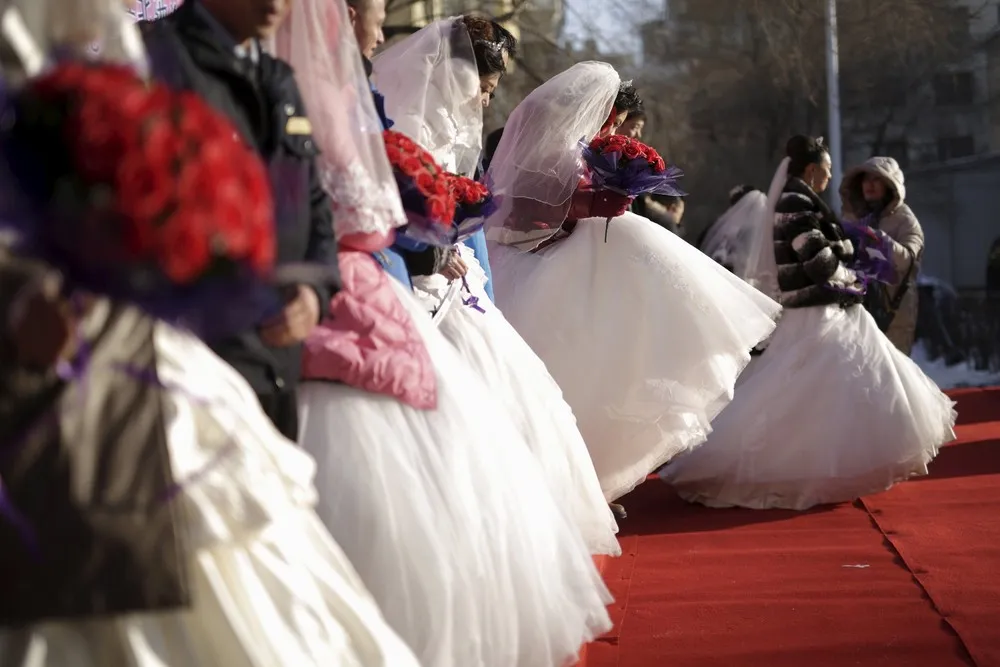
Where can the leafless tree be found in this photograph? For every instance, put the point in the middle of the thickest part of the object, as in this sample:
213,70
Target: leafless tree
730,80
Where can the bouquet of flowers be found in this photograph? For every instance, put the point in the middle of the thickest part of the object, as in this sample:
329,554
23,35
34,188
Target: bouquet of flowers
629,167
426,191
138,193
474,203
872,250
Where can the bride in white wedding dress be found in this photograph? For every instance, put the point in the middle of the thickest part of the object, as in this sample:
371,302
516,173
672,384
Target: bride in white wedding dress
831,410
435,96
440,505
645,334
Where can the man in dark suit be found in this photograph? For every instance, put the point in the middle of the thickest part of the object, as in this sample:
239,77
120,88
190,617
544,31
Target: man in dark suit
211,47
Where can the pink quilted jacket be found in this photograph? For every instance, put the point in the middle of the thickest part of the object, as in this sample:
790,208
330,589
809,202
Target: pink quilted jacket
369,340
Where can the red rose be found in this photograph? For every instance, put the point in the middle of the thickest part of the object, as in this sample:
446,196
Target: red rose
631,151
394,155
184,247
659,164
411,166
438,210
144,192
443,186
425,183
232,237
478,192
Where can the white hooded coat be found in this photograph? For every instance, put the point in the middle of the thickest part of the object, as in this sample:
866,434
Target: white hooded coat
900,224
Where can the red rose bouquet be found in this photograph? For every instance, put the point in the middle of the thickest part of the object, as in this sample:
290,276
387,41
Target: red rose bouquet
138,193
474,203
629,167
425,188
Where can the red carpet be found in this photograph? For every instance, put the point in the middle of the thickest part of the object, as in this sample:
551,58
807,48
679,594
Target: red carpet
947,530
826,588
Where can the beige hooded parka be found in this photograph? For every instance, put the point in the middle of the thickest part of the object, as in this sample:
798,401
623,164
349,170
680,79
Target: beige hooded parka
901,226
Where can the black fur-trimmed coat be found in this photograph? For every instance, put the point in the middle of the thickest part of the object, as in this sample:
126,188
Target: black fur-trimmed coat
811,251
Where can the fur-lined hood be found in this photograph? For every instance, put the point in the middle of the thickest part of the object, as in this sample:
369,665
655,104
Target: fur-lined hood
851,197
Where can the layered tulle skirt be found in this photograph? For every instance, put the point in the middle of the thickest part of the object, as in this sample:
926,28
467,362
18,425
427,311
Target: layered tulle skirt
449,520
515,376
830,412
645,335
270,586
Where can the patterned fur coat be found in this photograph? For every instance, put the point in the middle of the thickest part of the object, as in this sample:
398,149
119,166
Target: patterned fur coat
810,249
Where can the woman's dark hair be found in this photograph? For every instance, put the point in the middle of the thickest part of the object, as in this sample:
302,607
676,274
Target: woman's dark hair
489,42
804,151
628,99
490,147
739,192
637,114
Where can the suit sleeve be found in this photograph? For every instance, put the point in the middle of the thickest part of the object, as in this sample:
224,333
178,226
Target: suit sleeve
421,259
322,248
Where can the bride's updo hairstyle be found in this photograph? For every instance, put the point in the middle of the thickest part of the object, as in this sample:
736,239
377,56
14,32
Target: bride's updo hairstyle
803,151
627,100
490,41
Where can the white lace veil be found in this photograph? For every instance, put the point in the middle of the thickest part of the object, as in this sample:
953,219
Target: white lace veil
431,85
90,29
761,267
728,241
537,166
318,42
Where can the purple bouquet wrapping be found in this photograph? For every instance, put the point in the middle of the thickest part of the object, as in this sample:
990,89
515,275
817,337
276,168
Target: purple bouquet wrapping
872,251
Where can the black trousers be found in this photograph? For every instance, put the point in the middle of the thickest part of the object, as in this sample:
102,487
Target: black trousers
283,410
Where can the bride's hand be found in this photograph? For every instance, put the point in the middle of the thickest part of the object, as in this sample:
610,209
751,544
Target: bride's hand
608,204
597,204
455,268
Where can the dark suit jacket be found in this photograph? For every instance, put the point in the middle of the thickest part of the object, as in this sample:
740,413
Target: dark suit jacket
264,103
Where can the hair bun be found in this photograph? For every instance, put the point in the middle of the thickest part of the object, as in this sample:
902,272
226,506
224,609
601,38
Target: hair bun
801,145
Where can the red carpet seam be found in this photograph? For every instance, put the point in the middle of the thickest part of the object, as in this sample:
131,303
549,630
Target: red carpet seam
632,554
916,580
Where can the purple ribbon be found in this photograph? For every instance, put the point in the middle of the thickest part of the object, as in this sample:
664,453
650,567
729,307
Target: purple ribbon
473,300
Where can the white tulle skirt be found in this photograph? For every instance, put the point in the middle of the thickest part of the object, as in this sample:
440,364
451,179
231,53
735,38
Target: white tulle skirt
270,586
449,521
830,412
645,335
519,380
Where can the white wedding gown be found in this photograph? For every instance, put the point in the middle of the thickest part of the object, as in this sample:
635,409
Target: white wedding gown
449,520
519,380
270,586
830,412
645,335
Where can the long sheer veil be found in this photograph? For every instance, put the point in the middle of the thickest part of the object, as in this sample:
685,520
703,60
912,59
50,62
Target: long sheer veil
431,85
88,29
537,167
728,242
761,268
318,42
